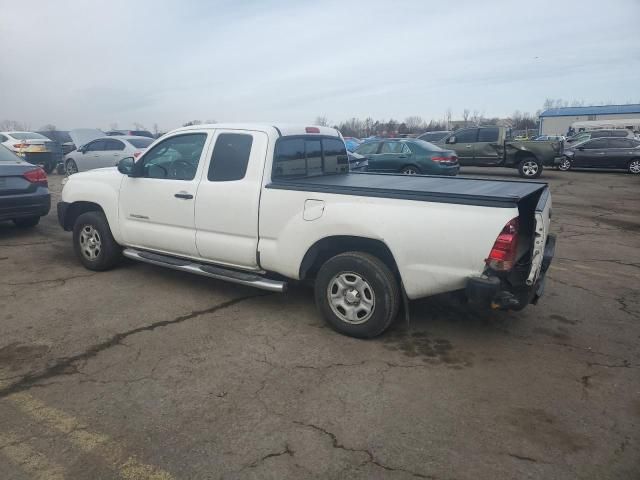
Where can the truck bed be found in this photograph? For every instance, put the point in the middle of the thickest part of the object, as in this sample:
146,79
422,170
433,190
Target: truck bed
459,190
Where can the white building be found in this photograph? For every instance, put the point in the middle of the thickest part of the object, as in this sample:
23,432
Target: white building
556,121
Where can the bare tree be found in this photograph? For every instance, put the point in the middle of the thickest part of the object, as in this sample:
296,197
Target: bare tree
138,126
192,122
156,130
414,124
49,127
13,125
448,118
465,116
321,121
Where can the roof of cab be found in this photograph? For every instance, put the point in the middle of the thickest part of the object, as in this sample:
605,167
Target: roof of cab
282,129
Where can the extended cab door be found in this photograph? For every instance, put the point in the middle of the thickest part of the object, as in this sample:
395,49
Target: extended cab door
463,142
590,154
228,198
156,205
487,149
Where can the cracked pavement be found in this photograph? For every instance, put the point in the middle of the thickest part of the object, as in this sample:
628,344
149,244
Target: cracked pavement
142,372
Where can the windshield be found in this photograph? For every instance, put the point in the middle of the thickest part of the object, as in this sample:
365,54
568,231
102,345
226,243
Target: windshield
140,142
28,136
7,155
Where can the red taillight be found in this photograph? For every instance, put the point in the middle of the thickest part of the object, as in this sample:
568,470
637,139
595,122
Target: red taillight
136,154
503,253
37,175
20,145
451,159
312,130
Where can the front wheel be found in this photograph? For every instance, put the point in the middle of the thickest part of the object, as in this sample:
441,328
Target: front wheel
93,243
357,294
565,164
634,166
71,167
530,167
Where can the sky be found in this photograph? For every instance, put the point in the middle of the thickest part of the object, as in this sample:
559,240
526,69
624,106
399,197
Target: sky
99,63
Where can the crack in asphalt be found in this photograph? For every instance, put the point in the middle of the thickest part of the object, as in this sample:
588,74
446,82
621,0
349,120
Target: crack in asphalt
62,280
287,451
523,457
68,365
370,457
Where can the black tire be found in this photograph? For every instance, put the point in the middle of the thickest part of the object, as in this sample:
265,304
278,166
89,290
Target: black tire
530,167
107,253
383,294
410,170
634,166
26,222
60,168
70,167
564,165
48,167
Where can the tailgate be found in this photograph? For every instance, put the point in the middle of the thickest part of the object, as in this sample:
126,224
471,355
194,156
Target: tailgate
541,232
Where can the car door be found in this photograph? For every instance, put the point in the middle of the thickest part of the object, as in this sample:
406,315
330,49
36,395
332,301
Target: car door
392,157
227,201
620,152
92,155
370,150
463,142
156,204
486,150
114,152
590,154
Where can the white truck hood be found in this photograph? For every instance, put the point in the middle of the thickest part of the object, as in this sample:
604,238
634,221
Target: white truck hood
82,136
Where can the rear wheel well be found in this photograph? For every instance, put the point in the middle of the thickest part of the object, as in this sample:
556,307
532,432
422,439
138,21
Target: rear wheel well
521,155
328,247
76,209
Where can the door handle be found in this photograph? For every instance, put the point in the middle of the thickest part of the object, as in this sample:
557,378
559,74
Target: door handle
402,156
601,153
468,146
184,195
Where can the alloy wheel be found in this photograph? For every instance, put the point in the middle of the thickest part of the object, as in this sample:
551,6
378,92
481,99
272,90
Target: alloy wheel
90,242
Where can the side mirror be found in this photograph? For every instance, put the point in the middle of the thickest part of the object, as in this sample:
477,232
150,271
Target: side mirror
125,166
451,139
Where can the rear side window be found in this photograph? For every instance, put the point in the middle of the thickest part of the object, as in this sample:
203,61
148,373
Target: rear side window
622,143
309,156
391,147
140,142
230,157
466,136
368,148
488,135
114,145
595,144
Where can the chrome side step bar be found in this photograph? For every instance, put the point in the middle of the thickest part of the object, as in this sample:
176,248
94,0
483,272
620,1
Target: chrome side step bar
220,273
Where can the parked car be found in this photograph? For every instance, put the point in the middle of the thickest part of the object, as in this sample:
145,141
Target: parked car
491,146
61,137
367,241
131,133
583,136
33,148
357,162
432,137
611,153
409,156
105,152
352,143
24,190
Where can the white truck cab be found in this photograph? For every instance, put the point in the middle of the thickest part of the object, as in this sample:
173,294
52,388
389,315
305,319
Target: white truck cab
265,205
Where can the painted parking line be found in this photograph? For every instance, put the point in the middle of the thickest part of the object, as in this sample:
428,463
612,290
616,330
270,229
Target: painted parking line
114,454
30,461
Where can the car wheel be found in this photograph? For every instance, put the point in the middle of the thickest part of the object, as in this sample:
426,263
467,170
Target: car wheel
410,170
70,167
634,166
93,243
565,164
27,222
357,294
530,167
48,167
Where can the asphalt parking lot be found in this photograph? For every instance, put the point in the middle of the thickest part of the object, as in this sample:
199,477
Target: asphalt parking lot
146,373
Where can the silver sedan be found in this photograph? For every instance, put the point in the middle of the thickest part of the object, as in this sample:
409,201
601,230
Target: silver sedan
105,152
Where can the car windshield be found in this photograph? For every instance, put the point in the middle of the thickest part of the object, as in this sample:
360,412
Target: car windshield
140,142
7,155
28,136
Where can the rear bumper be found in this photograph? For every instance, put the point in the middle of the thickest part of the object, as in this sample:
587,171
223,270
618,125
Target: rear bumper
35,204
490,291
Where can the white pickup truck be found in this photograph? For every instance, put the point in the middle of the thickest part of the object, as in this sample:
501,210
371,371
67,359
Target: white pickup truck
266,205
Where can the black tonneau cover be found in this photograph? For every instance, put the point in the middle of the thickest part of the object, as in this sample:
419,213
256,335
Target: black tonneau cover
426,188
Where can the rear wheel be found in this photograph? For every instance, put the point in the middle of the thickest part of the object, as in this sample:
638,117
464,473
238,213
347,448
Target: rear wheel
634,166
71,167
357,294
93,243
565,164
530,167
48,167
27,222
410,170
